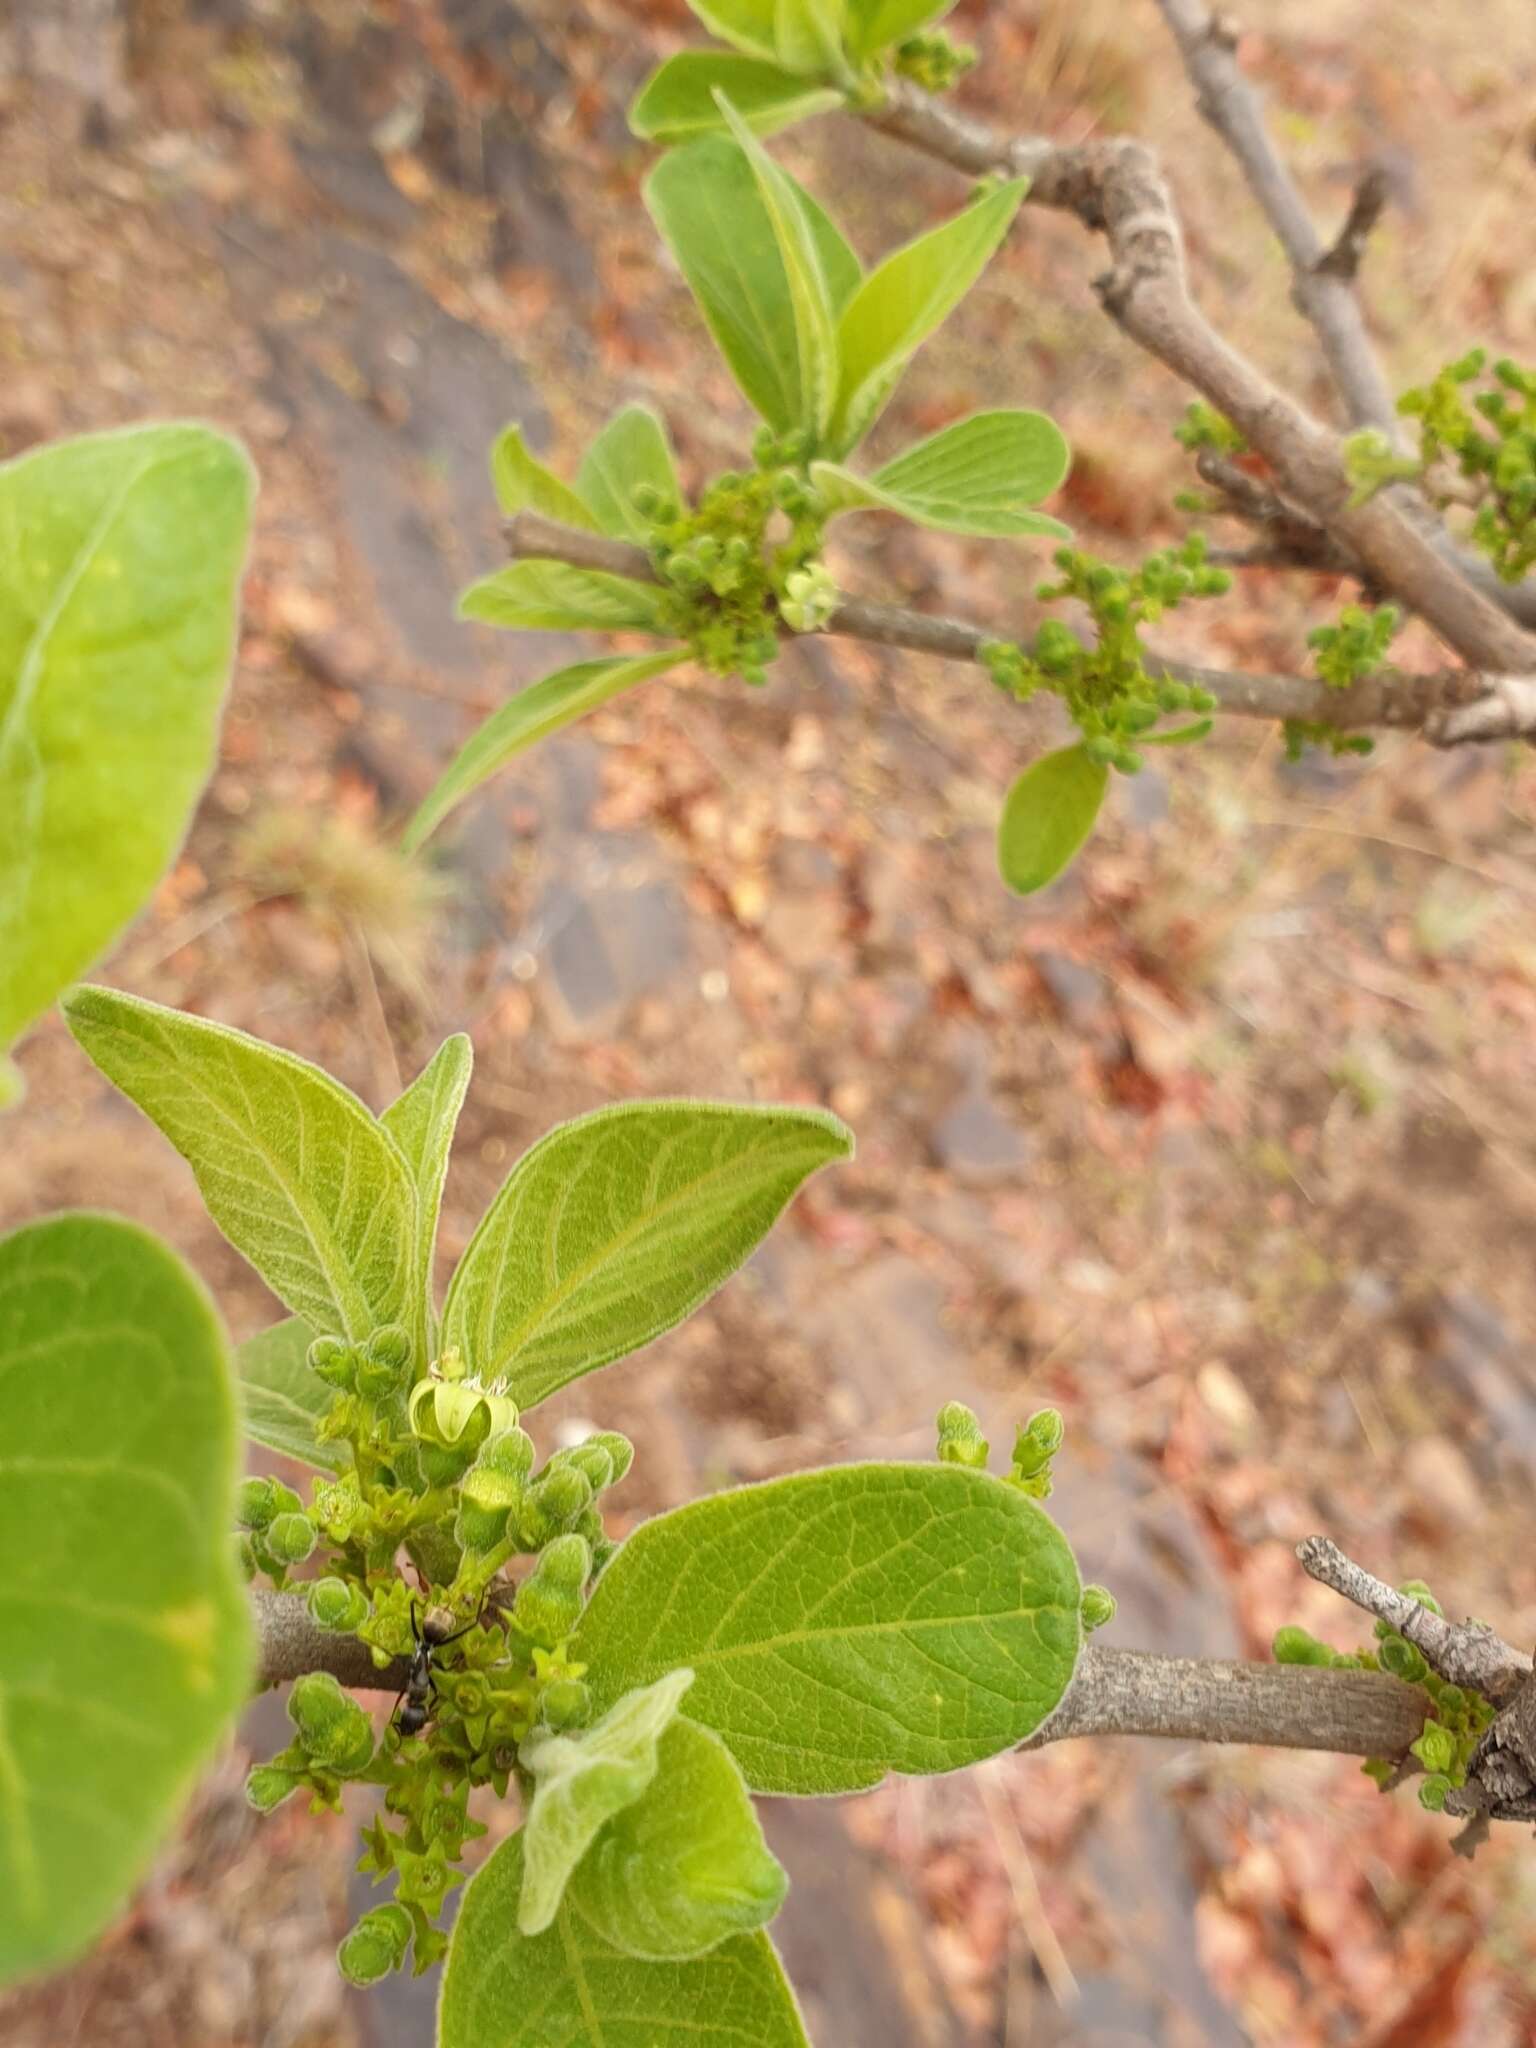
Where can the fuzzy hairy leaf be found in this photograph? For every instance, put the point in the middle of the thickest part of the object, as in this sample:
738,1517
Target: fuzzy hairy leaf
980,475
580,1782
630,451
617,1225
294,1170
678,101
808,35
706,202
422,1121
1047,814
684,1867
557,597
125,1645
900,304
523,484
568,1988
281,1400
544,707
847,1623
120,564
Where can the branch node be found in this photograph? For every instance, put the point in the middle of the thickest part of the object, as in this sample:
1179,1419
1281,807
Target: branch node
1342,260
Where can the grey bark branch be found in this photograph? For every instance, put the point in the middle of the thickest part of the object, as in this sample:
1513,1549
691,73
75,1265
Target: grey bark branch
1447,706
1115,188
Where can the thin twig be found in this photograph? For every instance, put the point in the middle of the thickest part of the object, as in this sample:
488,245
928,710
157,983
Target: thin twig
1343,257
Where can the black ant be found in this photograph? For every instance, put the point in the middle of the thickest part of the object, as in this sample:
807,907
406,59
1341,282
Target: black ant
421,1684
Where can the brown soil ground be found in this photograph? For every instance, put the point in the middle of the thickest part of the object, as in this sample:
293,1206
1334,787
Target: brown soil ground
1225,1145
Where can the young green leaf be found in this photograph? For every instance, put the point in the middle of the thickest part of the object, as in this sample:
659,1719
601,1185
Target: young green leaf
631,451
899,305
523,484
558,597
617,1225
709,209
294,1170
678,101
120,564
685,1867
580,1782
808,36
1047,815
422,1122
544,707
281,1400
125,1646
978,476
568,1988
846,1623
1179,736
745,24
876,24
810,293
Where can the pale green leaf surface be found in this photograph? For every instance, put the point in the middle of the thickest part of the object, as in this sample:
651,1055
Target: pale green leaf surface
544,707
846,1623
120,564
568,1988
631,450
808,35
523,484
980,475
678,102
810,290
281,1400
558,597
617,1225
294,1170
685,1866
422,1121
705,200
582,1781
124,1641
1047,814
745,24
900,304
876,24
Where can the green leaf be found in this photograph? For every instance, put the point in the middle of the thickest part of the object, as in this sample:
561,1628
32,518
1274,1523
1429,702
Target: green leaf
580,1782
558,597
294,1170
1180,736
808,35
1047,815
706,203
810,292
523,484
544,707
846,1623
630,451
899,305
282,1400
746,24
978,476
568,1988
685,1867
678,102
422,1123
120,564
617,1225
877,24
124,1643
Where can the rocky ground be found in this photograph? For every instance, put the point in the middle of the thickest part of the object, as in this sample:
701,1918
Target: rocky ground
1224,1145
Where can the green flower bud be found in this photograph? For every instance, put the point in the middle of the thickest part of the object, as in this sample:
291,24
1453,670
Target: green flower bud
1037,1443
268,1785
566,1704
291,1538
1097,1607
375,1946
335,1361
1403,1660
333,1729
334,1604
255,1503
591,1461
1433,1793
621,1452
1435,1748
450,1408
960,1439
384,1361
553,1503
491,1489
1294,1645
549,1602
